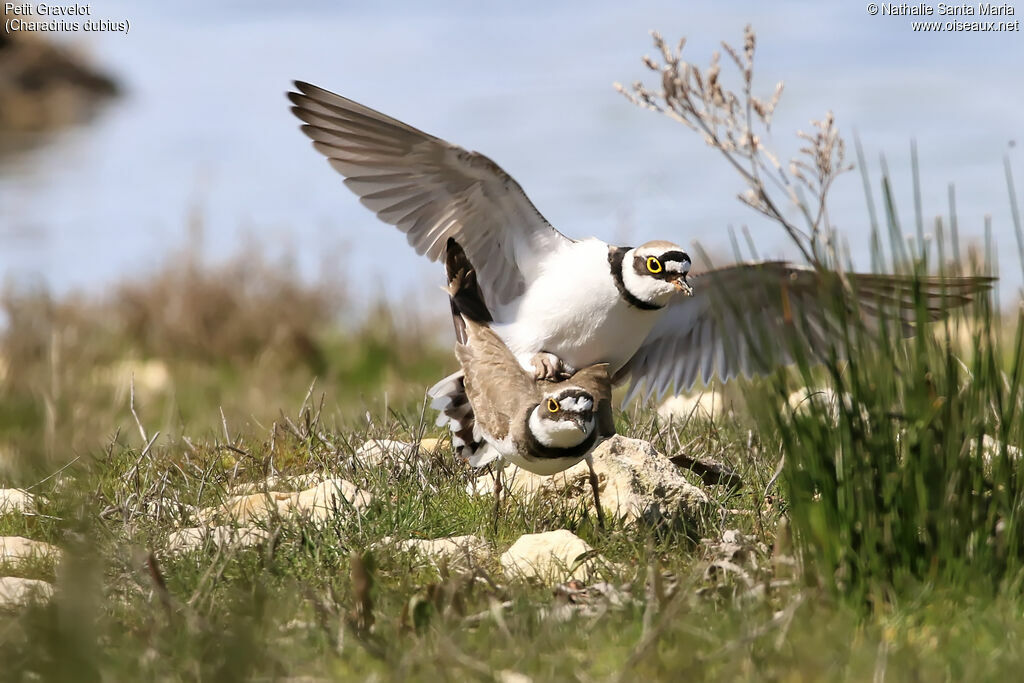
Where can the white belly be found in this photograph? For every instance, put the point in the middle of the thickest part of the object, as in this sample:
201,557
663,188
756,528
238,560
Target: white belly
545,467
574,311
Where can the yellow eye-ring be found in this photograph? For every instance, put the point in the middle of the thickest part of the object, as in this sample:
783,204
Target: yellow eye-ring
653,264
552,405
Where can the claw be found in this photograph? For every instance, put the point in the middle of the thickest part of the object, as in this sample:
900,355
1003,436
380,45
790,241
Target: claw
548,366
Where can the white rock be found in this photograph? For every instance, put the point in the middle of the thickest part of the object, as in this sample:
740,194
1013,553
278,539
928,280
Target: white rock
706,405
576,599
824,402
246,509
16,500
460,552
193,538
150,377
636,483
509,676
802,400
991,448
318,503
296,482
15,592
550,557
639,483
382,451
18,548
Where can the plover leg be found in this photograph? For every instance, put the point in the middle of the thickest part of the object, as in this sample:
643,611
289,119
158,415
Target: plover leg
597,493
497,467
550,367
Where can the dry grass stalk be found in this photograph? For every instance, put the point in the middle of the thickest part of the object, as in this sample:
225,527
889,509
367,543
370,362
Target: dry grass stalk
736,123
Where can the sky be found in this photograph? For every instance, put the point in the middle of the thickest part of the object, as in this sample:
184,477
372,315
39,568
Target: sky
204,129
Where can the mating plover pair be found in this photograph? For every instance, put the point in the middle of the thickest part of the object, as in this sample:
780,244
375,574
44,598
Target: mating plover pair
542,425
557,304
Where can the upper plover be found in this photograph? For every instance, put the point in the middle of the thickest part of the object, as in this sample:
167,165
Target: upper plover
580,302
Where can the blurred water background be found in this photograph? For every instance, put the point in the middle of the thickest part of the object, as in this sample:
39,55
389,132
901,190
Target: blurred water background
204,130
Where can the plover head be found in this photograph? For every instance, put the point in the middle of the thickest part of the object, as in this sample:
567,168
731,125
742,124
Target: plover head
564,419
656,270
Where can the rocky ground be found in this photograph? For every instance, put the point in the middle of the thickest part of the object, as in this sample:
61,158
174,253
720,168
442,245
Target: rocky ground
638,485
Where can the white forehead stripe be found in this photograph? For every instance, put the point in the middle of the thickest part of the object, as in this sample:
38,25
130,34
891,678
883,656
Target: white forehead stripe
576,404
678,267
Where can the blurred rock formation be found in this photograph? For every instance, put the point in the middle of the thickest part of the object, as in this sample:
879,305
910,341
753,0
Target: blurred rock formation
44,86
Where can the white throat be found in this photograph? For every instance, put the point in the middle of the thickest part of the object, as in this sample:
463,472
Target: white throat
556,433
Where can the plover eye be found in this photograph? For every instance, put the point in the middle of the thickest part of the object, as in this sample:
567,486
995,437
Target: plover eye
552,405
653,264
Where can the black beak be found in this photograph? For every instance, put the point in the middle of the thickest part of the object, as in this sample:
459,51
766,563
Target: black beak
682,286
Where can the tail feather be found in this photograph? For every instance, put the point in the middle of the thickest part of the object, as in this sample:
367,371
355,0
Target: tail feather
449,395
463,287
449,398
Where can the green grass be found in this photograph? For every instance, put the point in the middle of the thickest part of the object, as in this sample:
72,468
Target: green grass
287,608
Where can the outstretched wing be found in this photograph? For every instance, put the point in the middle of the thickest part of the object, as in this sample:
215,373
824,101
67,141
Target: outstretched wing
743,319
431,190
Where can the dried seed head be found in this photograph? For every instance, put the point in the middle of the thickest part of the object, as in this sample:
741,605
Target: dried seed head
759,107
713,71
733,55
670,84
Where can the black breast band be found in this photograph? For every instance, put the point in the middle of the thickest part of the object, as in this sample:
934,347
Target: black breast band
615,257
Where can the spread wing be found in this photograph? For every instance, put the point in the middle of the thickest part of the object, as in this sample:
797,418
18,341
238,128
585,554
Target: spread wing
744,319
596,380
431,190
498,388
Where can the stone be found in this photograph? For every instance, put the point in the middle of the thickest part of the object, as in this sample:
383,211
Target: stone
18,549
317,504
734,556
576,599
640,484
320,502
637,484
221,537
823,402
802,401
459,552
150,378
707,405
15,591
509,676
274,482
16,500
991,448
551,557
377,452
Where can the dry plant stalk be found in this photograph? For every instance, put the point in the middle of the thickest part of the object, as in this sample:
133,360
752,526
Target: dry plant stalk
736,124
360,617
